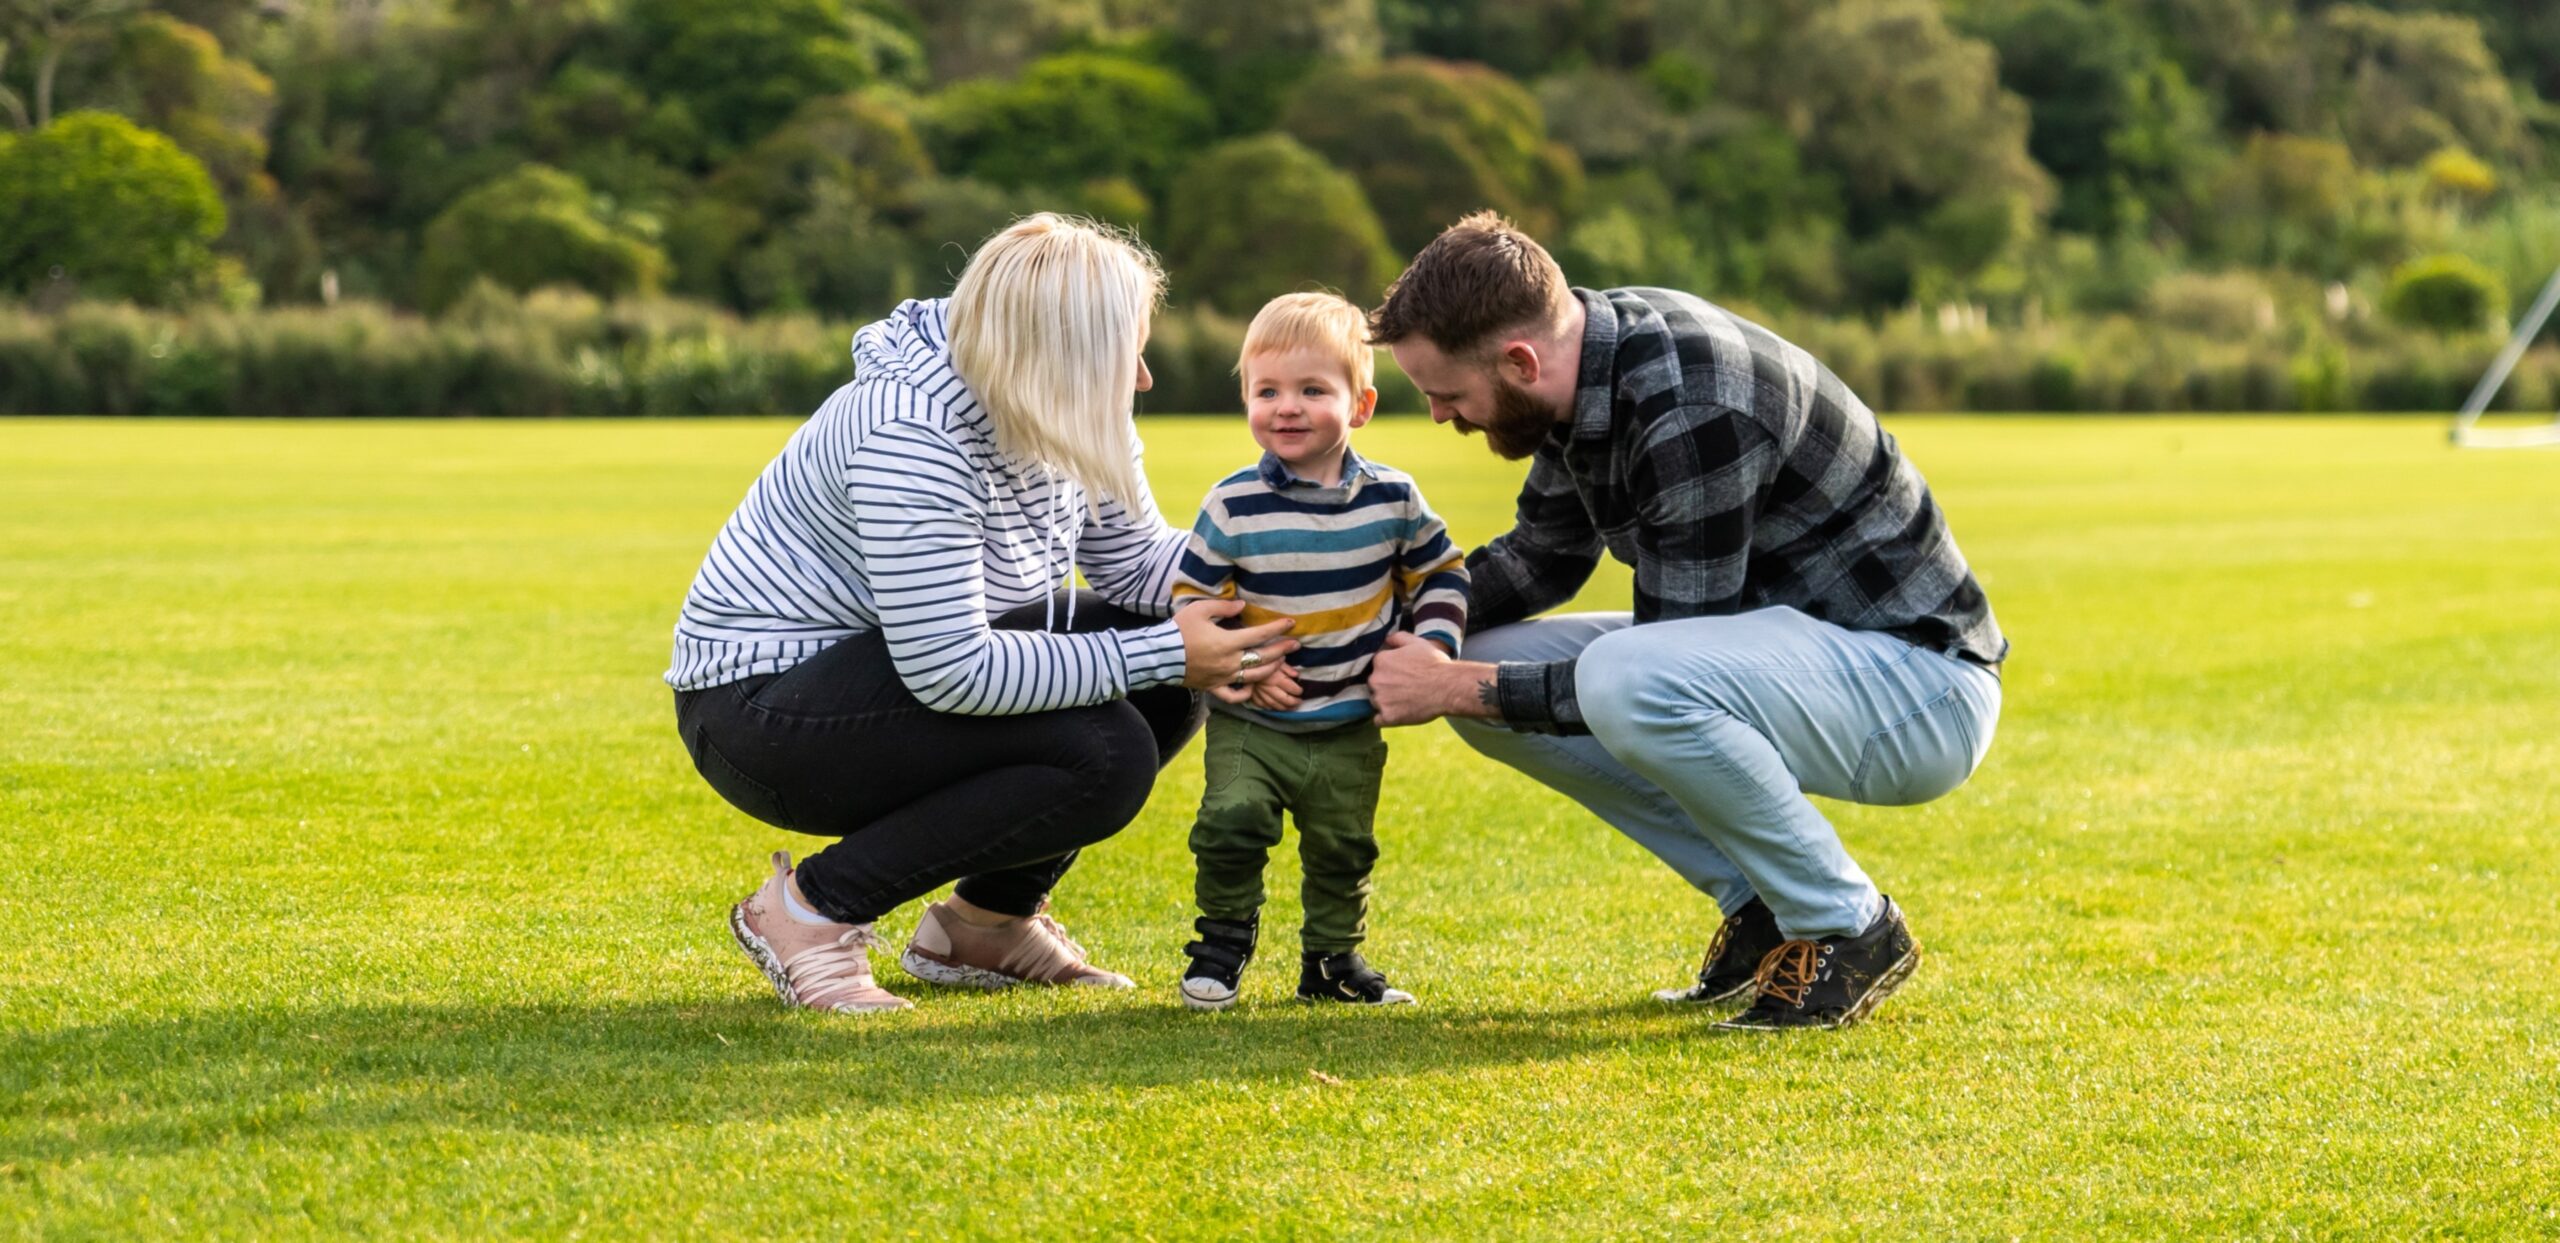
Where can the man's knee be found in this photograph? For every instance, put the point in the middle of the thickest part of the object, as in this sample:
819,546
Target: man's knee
1619,678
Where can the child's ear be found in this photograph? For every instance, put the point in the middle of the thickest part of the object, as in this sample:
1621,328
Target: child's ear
1368,406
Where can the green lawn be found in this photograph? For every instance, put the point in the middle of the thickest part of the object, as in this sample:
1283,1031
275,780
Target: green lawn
356,884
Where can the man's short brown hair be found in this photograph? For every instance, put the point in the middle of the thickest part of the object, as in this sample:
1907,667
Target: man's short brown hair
1480,277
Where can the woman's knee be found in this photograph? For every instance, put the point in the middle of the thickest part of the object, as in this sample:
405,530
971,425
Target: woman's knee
1110,751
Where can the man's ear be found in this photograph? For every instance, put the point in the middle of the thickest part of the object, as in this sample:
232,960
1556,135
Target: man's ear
1367,407
1519,363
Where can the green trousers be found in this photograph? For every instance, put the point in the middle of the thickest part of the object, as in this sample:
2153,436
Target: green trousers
1328,784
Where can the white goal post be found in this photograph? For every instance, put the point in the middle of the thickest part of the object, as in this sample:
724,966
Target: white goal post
2467,433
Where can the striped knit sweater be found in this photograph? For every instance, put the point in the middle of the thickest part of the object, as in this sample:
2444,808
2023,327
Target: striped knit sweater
891,510
1351,562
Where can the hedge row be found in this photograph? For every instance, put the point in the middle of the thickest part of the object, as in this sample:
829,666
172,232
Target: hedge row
559,354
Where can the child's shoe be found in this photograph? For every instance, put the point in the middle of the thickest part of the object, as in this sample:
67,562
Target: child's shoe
1345,977
1217,961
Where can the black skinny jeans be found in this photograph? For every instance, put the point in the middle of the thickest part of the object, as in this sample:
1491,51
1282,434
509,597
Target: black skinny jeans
836,746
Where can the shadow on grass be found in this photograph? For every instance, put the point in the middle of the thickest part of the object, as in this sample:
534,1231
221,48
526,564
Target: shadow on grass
173,1084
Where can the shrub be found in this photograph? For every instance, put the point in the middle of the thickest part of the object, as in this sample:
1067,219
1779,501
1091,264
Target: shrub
534,226
566,352
2445,294
2223,304
119,210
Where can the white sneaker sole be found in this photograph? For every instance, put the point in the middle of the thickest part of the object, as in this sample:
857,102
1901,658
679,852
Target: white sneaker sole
1205,1003
1393,997
915,963
1743,992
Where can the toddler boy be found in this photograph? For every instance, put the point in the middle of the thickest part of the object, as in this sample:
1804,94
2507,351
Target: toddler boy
1347,547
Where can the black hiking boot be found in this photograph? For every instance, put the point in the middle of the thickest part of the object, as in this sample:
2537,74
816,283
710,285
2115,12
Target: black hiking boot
1733,958
1345,977
1218,959
1832,982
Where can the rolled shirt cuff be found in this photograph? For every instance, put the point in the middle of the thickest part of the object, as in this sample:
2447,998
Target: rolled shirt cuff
1539,698
1152,656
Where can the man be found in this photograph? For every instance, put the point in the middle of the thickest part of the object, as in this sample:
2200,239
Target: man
1803,620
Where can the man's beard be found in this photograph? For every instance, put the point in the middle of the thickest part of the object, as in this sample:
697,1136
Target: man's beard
1517,425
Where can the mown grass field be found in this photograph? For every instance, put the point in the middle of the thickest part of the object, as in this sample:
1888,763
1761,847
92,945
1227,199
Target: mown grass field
356,885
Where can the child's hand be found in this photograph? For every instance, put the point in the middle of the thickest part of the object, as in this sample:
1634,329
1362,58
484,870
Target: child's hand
1279,692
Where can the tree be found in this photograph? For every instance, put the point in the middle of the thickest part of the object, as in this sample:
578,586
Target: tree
997,38
1257,217
1431,142
1928,152
739,67
2114,123
1067,120
2287,201
1245,57
1526,38
53,26
796,220
97,200
532,227
213,105
2403,86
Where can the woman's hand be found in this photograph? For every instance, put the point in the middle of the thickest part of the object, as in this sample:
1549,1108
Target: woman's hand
1228,663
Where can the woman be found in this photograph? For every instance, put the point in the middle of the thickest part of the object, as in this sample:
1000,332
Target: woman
882,647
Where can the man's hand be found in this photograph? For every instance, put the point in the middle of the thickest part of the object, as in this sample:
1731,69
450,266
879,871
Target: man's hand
1413,681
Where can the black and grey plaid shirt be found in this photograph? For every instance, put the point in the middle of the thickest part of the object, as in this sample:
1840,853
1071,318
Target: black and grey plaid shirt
1734,473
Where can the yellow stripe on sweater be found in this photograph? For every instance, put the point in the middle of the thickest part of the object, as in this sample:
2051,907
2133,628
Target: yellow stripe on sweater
1348,617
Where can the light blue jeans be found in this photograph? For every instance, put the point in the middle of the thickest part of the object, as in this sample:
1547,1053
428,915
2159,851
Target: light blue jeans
1707,733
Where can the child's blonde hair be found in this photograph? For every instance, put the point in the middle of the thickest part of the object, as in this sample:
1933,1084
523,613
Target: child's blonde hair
1323,322
1046,325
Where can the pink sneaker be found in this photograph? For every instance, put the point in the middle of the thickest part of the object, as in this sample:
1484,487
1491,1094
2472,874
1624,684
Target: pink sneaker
819,966
949,950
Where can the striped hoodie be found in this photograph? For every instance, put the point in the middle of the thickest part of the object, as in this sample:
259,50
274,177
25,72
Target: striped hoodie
1350,562
891,510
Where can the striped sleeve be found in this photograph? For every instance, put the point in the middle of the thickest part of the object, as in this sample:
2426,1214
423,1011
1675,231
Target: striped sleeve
1128,551
1432,576
919,511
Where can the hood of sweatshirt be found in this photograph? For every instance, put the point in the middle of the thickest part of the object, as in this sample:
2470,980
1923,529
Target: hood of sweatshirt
912,346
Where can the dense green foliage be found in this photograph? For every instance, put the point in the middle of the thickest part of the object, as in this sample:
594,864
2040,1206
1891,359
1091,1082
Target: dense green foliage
1261,216
2202,343
359,888
535,226
1990,164
99,204
2446,293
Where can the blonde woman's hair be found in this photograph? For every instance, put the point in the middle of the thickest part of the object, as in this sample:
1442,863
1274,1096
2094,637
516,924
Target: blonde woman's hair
1323,322
1046,325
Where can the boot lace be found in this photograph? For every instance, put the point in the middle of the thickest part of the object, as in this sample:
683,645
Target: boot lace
1716,947
1790,971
